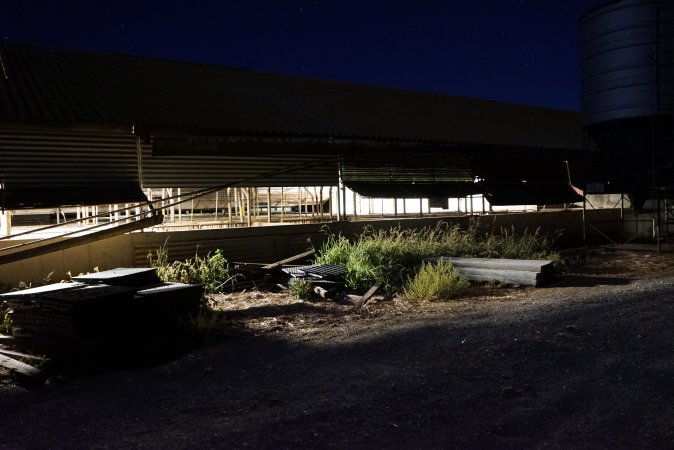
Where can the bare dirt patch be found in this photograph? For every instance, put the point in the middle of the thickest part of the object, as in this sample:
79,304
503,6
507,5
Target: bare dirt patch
586,362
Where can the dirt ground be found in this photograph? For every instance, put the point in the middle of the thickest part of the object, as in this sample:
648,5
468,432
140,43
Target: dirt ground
587,362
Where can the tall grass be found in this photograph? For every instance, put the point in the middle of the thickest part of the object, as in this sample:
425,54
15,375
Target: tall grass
387,257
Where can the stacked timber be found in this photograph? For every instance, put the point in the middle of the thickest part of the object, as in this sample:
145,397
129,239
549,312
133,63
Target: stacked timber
527,272
102,306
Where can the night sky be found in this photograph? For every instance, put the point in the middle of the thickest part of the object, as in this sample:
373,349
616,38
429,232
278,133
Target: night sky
523,51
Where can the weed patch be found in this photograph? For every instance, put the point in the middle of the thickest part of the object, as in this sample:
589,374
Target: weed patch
301,289
434,282
210,271
386,257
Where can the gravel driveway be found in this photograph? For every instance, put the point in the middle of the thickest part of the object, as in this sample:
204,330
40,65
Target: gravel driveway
585,363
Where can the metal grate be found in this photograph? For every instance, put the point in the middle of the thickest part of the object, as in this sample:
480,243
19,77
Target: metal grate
317,271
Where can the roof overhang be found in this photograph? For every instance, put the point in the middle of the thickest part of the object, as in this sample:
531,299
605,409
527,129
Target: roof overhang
164,145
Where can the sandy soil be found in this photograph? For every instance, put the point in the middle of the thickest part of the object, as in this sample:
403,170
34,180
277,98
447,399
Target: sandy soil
585,363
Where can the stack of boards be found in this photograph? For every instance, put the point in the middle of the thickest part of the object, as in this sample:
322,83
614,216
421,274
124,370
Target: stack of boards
526,272
102,306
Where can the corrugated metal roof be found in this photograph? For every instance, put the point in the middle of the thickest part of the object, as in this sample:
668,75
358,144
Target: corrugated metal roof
57,85
41,168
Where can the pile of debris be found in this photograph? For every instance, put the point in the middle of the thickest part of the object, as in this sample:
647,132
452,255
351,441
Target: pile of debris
328,281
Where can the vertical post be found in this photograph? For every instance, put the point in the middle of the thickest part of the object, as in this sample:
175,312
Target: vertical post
283,204
622,215
320,207
404,206
5,223
344,200
180,205
306,202
355,210
229,206
216,205
339,206
236,201
254,201
659,216
339,184
331,211
316,208
241,206
248,206
395,207
299,201
268,204
584,222
483,207
307,196
421,207
173,208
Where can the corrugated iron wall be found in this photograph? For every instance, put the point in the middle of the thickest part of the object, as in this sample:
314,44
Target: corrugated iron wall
41,168
206,171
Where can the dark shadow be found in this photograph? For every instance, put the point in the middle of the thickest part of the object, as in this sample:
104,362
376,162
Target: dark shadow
591,373
576,280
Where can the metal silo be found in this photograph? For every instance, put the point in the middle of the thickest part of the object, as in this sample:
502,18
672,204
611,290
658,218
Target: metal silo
626,92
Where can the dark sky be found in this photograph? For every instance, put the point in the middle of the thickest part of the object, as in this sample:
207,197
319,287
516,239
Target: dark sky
524,51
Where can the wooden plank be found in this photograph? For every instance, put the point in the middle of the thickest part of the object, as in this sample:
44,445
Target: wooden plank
365,298
289,260
18,366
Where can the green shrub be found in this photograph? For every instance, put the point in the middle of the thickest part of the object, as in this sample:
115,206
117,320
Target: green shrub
301,288
439,281
210,271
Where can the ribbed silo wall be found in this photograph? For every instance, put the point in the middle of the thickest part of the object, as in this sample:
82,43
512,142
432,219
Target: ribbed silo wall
626,90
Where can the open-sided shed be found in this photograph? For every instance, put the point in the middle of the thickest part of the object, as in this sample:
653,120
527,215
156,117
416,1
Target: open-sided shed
82,128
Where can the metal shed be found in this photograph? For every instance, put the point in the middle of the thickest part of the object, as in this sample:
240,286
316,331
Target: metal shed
197,125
